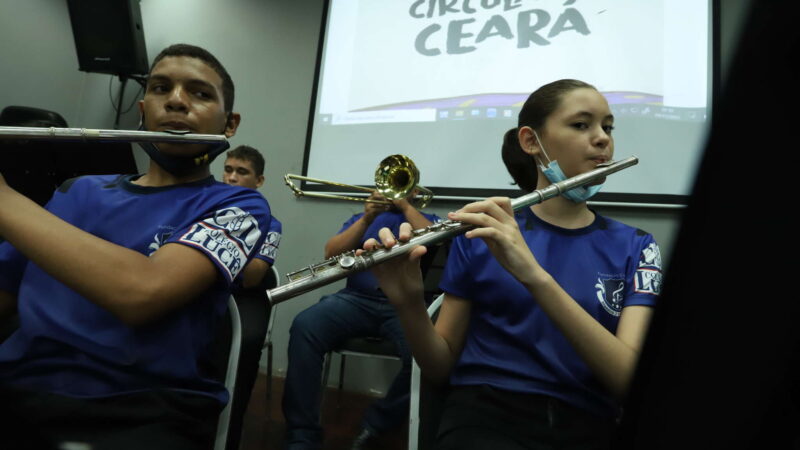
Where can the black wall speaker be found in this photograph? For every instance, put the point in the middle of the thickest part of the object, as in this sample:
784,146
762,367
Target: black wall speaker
109,37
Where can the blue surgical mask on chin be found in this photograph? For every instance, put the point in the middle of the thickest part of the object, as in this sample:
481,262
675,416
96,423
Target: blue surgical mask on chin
554,173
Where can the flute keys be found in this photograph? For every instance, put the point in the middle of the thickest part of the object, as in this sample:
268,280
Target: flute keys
347,262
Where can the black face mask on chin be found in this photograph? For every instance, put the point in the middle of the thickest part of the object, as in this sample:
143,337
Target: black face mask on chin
181,165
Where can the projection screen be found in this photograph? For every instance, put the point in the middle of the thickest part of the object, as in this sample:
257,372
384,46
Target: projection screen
441,81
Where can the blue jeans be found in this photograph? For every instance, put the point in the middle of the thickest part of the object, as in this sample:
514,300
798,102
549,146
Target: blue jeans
322,328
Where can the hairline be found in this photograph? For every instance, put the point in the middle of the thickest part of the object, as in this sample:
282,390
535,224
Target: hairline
206,57
250,163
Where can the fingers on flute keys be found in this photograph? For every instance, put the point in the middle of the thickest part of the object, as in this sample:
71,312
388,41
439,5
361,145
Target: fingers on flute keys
486,213
387,240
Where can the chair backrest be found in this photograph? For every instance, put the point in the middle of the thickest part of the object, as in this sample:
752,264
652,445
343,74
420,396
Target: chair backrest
419,437
272,278
432,266
277,281
230,373
433,308
26,116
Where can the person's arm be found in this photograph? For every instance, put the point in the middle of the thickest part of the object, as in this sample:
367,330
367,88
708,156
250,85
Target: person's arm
611,357
412,214
134,287
8,304
254,272
350,239
436,348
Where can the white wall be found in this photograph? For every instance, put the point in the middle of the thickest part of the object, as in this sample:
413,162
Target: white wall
269,47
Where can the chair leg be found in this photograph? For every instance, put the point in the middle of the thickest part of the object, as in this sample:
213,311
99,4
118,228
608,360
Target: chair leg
326,369
269,381
341,381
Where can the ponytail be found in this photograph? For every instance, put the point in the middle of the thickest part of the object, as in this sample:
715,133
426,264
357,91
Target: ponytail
519,164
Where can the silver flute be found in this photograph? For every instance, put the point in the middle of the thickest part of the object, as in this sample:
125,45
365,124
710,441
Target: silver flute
88,134
341,266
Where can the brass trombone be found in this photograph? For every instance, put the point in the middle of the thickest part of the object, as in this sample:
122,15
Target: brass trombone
395,178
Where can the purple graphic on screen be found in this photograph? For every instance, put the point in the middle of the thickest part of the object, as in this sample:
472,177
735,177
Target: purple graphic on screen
510,100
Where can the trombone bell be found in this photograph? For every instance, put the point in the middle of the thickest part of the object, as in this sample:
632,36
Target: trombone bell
395,178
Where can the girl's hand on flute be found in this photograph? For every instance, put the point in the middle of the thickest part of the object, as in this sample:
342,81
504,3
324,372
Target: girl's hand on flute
496,225
399,278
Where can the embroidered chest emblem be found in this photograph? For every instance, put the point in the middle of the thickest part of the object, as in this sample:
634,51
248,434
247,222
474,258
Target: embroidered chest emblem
160,238
610,293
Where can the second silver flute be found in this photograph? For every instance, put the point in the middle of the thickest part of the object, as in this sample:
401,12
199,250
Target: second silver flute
341,266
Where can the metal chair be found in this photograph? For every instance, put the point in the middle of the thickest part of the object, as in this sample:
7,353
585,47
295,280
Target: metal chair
419,439
268,339
372,347
230,374
376,347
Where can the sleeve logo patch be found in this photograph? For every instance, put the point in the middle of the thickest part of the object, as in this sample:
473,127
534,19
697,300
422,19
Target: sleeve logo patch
271,243
648,275
228,237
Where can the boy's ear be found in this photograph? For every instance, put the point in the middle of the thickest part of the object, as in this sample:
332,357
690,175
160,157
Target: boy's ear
234,119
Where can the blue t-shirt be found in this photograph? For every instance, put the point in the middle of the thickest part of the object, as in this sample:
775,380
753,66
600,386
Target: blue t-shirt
67,345
365,281
511,343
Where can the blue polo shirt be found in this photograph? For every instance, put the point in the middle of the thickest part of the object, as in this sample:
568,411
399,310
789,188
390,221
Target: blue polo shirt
69,346
511,343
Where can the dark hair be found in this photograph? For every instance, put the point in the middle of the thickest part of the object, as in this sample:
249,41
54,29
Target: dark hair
539,105
193,51
247,153
545,100
519,164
